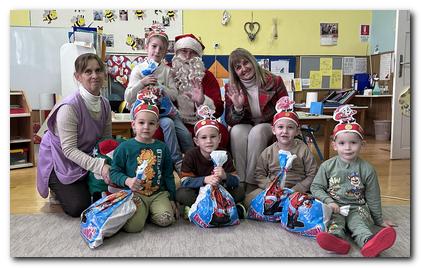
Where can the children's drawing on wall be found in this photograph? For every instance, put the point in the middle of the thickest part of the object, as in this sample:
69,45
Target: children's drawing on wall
116,23
78,20
171,44
49,15
109,15
134,42
109,40
171,14
139,14
165,21
264,63
329,34
124,16
98,15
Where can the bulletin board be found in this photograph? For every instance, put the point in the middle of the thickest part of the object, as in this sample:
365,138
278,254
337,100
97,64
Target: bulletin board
123,29
326,70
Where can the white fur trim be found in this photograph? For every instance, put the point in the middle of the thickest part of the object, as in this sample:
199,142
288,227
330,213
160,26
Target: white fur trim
188,42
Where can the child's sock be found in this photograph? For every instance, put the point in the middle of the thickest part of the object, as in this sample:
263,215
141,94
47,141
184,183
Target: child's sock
381,241
332,243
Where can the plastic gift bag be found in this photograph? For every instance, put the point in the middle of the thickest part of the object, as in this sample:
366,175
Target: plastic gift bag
305,215
268,204
214,207
106,216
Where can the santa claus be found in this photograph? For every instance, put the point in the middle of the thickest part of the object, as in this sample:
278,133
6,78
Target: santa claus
196,86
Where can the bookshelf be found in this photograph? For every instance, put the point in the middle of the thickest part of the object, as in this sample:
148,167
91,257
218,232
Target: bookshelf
21,133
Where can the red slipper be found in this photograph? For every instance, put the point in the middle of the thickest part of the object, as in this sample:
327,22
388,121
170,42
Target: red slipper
383,240
332,243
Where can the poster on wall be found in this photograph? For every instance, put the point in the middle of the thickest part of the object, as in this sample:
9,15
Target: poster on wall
329,34
123,30
364,33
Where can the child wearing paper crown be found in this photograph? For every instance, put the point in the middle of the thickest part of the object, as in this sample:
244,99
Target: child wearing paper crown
304,167
198,168
154,188
153,72
346,179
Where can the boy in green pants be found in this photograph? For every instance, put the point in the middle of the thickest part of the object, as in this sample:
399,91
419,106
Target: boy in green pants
154,191
346,179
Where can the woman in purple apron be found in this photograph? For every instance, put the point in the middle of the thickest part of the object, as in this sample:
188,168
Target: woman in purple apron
74,127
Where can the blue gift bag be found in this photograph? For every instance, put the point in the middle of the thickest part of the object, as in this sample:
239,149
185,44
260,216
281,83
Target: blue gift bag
304,214
214,207
268,204
106,216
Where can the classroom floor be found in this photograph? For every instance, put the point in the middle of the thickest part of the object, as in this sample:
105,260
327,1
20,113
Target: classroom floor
394,178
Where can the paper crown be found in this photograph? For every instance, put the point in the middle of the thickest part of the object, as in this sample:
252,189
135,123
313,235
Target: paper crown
284,107
208,119
157,29
189,41
145,101
344,115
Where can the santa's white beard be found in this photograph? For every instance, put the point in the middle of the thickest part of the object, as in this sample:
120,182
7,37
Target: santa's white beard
185,71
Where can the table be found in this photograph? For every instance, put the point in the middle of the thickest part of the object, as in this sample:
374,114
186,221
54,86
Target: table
360,116
326,121
121,125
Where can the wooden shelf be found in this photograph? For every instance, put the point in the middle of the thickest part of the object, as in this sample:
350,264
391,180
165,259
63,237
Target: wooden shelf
374,96
21,133
23,165
20,140
20,115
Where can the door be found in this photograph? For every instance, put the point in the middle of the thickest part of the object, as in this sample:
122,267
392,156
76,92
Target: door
401,127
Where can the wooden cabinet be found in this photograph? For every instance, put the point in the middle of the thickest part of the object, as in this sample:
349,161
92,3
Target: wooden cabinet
21,133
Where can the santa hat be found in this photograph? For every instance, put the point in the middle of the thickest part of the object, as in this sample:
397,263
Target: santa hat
284,108
344,115
207,121
145,102
189,41
157,30
107,146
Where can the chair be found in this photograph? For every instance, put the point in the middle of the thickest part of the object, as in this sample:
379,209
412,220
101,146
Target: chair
307,134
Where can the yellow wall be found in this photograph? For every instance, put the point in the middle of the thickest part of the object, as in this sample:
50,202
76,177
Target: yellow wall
298,31
20,18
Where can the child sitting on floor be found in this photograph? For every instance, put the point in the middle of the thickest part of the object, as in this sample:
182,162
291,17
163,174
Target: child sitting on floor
154,192
346,179
198,169
304,167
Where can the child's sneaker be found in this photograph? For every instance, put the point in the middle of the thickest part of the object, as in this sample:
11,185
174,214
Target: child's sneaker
381,241
241,210
52,199
332,243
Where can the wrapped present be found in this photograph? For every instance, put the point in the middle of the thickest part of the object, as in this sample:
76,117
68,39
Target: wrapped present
268,204
214,207
304,214
106,216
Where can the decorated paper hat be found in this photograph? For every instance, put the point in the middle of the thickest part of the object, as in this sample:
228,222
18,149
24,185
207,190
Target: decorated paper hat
207,121
284,107
344,115
157,29
145,101
189,41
